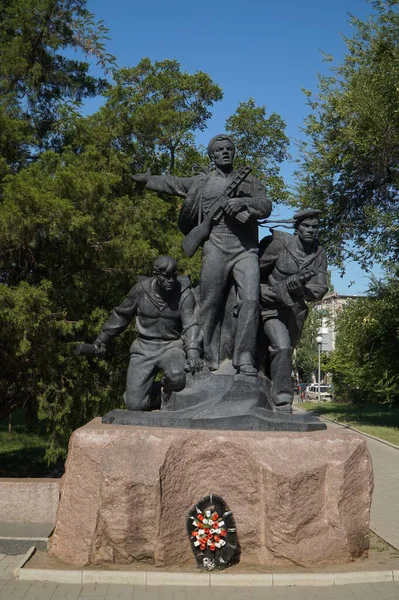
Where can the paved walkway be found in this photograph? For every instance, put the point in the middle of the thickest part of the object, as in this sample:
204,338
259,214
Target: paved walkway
25,590
385,505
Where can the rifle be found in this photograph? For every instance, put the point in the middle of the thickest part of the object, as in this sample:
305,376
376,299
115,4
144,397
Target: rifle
282,294
199,234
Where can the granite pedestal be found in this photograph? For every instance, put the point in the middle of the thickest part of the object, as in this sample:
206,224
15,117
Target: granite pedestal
297,498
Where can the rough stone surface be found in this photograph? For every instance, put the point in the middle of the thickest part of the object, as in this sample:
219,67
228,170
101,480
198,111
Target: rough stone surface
297,498
29,500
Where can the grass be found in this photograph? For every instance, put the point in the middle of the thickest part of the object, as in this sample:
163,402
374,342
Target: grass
22,450
375,419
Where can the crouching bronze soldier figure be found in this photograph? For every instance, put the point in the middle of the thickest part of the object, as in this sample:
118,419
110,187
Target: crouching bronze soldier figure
168,337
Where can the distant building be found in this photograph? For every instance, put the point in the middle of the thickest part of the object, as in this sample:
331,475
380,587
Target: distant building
331,304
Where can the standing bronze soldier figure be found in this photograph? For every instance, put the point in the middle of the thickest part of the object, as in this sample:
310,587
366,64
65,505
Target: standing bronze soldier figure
230,253
293,270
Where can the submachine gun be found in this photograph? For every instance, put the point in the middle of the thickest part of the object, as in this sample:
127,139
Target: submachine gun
283,295
199,234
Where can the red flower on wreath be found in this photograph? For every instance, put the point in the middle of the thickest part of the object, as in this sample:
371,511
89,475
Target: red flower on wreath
208,531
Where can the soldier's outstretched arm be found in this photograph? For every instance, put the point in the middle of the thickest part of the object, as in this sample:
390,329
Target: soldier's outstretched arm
120,318
178,186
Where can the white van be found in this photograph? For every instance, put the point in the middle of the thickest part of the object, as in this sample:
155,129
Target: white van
312,393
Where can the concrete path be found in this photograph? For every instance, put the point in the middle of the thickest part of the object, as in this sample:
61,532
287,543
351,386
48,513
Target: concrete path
25,590
7,565
385,506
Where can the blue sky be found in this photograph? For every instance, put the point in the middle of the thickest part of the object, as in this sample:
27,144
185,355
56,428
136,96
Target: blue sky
264,49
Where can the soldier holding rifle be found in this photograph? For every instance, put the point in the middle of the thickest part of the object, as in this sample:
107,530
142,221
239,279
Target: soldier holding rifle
293,270
230,247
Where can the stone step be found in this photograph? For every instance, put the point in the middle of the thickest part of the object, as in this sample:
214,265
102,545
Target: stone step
17,538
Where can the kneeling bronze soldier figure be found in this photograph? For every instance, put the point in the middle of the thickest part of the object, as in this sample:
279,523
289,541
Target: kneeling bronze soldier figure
168,337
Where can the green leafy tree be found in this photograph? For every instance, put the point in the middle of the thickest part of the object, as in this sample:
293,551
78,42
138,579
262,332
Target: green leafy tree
74,234
155,109
74,228
39,83
75,231
365,363
262,144
350,157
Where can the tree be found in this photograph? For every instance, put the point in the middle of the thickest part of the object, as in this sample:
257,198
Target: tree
75,233
39,84
261,143
350,157
365,363
74,237
156,108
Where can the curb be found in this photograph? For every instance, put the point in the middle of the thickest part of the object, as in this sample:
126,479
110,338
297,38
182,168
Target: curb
23,561
152,578
373,437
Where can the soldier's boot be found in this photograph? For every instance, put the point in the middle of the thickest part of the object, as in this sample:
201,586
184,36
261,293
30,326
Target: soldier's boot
245,365
280,374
